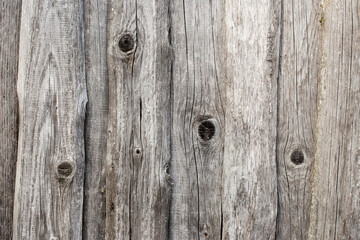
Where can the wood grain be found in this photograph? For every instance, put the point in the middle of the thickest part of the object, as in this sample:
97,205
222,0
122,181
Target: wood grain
95,17
9,45
249,169
336,207
138,147
198,119
52,98
297,115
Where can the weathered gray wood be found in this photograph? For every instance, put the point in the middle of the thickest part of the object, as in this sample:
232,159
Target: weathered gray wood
297,113
9,44
95,12
335,210
197,39
138,146
52,99
249,169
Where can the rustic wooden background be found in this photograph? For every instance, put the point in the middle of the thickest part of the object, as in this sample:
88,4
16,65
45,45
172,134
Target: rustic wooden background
158,119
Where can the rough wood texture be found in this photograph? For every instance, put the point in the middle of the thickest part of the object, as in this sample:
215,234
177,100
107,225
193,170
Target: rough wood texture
249,168
9,45
198,119
138,150
336,205
52,99
297,113
95,12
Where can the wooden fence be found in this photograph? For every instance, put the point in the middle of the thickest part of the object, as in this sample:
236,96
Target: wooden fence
158,119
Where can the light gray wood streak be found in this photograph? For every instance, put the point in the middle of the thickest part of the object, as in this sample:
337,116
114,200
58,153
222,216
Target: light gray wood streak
249,169
335,210
52,98
198,39
299,74
95,13
138,150
9,44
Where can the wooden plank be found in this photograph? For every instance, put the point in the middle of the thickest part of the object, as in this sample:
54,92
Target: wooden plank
95,14
336,207
198,39
138,150
9,45
52,99
249,168
297,114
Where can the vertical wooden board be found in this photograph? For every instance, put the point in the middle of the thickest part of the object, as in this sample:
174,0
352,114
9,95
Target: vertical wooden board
52,99
335,212
249,168
95,14
138,149
9,40
198,39
297,113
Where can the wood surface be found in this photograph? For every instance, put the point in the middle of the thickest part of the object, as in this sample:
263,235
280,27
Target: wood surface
249,166
95,16
138,147
197,98
335,210
9,45
52,99
157,119
297,115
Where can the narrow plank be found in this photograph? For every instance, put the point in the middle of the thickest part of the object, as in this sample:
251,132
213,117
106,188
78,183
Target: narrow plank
95,16
336,206
197,38
9,45
138,147
249,169
52,99
297,114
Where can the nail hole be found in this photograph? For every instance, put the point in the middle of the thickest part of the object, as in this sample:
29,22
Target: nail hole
126,43
206,130
297,157
206,235
137,151
64,169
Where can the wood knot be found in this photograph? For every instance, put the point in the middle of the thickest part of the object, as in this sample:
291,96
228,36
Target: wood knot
65,171
126,43
297,157
137,153
206,130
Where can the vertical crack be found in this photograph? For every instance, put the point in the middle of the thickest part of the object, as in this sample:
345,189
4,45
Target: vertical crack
170,113
281,25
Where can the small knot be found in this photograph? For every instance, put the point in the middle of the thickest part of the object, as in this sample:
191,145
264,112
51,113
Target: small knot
206,130
126,43
65,170
297,157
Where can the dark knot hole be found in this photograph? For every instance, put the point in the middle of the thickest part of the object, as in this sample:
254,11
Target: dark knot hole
206,130
297,157
126,43
65,169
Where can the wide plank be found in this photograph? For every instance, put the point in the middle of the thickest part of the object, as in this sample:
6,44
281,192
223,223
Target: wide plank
297,114
138,147
52,99
9,50
335,212
249,190
197,38
95,17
